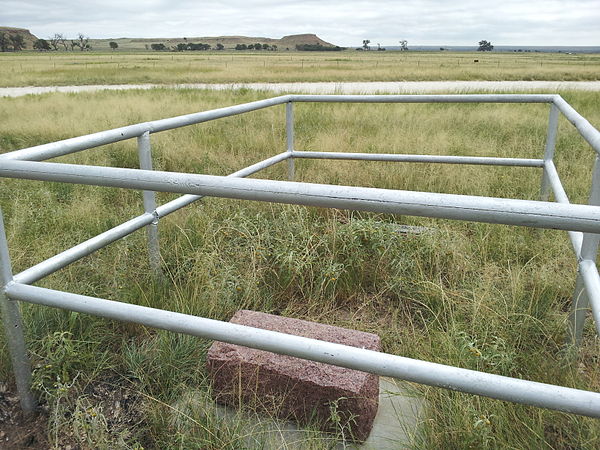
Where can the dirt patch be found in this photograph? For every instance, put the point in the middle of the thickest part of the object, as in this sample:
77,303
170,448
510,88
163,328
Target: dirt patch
102,412
120,405
17,432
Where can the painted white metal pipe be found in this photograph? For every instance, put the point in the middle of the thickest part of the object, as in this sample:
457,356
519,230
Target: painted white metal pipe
454,98
289,135
13,329
149,201
440,159
549,149
446,206
73,254
489,385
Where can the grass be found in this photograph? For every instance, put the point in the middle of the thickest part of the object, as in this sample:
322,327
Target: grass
72,68
486,297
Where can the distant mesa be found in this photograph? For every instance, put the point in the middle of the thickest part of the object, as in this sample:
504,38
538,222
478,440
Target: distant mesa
24,32
229,42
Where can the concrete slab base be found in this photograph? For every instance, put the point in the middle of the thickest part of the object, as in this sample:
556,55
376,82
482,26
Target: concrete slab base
396,425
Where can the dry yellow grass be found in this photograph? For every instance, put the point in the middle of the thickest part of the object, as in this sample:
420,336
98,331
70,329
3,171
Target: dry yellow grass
27,69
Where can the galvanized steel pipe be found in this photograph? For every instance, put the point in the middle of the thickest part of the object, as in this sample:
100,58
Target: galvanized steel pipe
489,385
433,98
440,159
445,206
91,245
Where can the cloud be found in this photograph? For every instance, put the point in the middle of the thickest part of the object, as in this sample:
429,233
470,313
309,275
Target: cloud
511,22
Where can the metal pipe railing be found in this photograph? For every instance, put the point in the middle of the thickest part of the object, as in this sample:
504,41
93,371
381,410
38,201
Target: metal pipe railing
527,213
581,221
88,247
480,383
434,98
440,159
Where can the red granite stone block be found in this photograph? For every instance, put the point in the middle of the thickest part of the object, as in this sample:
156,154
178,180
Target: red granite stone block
293,388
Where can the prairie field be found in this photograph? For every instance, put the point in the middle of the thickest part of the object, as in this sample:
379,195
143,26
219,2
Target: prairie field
487,297
76,68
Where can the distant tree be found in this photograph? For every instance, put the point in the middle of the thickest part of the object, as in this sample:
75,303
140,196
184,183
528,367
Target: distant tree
113,45
181,47
485,46
366,43
403,45
220,46
257,46
17,42
59,39
81,42
42,45
53,42
241,47
158,47
274,47
265,46
4,42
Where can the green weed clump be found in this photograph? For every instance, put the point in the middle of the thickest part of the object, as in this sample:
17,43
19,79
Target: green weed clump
485,297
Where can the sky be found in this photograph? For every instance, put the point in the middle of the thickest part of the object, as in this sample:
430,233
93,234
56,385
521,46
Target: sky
345,23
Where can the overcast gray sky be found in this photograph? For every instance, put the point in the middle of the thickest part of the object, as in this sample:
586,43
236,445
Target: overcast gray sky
346,23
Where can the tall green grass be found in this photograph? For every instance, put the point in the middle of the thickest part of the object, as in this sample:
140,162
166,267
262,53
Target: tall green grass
68,68
485,297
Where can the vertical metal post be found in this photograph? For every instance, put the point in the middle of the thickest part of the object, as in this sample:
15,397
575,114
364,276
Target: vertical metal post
589,251
149,197
13,327
549,152
289,128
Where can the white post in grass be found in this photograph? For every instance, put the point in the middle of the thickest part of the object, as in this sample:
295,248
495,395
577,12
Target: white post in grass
149,197
289,128
13,327
549,152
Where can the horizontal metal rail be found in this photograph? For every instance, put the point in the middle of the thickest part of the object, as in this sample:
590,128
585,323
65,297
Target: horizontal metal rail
440,159
444,206
473,382
453,98
67,146
88,247
73,254
560,196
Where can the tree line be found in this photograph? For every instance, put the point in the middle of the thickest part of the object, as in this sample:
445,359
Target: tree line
15,43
